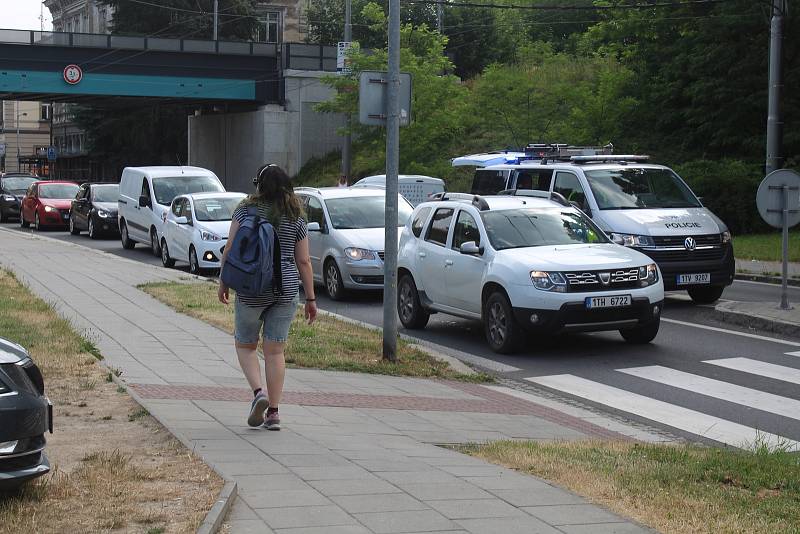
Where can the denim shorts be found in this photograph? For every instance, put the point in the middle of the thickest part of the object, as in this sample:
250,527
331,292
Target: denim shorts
276,320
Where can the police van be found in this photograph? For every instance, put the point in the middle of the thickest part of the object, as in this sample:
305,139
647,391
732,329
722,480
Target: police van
638,204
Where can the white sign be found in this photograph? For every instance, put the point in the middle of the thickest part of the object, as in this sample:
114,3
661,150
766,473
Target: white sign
342,61
73,74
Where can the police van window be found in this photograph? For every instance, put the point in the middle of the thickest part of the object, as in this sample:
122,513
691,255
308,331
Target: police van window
315,213
440,225
488,182
568,185
465,231
637,187
419,221
536,179
145,189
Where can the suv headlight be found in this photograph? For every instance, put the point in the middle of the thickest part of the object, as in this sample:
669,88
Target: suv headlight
549,281
648,275
726,237
358,254
630,240
205,235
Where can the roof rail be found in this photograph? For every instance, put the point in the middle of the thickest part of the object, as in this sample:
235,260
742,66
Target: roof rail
306,188
621,158
554,196
476,200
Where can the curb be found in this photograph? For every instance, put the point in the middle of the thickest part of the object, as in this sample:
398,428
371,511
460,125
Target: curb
757,322
216,516
766,279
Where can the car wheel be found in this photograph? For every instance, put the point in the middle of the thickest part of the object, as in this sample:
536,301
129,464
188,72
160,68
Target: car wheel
91,229
36,224
22,222
3,216
706,295
127,242
165,259
502,331
154,242
72,229
194,265
333,280
409,307
641,334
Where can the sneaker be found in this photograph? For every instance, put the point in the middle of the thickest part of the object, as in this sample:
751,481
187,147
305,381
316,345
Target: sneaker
273,421
257,409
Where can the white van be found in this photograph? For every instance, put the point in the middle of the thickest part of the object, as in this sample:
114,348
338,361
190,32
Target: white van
145,195
414,187
640,205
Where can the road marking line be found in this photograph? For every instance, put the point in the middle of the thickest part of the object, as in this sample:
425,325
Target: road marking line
717,389
756,367
665,413
734,332
754,282
794,353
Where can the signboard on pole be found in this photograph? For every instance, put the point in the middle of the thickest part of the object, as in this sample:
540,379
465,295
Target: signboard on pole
343,66
52,154
73,74
372,98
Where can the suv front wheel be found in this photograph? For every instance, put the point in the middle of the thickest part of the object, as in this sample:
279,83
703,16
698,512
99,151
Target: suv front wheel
409,308
502,330
642,334
706,295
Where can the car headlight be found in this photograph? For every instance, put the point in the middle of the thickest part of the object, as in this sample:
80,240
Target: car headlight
9,198
630,240
205,235
726,237
103,214
358,254
648,275
48,209
549,281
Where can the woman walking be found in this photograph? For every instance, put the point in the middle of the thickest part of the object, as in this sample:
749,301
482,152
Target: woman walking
271,312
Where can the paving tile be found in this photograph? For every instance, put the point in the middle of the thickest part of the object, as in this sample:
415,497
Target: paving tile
432,492
475,508
248,526
333,488
310,460
382,502
387,464
240,510
253,483
267,498
339,529
428,477
413,521
606,528
542,496
572,514
264,466
506,525
485,470
305,516
508,480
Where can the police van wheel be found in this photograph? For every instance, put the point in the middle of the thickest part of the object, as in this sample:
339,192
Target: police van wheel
333,281
503,333
641,334
409,307
706,295
165,258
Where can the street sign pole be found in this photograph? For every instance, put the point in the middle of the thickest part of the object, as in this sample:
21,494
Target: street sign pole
774,119
348,139
785,272
392,170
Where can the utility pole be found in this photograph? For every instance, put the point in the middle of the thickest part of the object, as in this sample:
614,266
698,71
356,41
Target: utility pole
774,118
392,170
348,139
440,16
216,19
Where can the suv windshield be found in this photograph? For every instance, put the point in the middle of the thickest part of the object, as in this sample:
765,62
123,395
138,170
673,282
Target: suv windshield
638,188
167,188
105,193
18,184
215,209
537,227
364,212
58,191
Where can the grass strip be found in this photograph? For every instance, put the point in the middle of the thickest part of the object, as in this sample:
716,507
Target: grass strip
327,344
672,488
766,247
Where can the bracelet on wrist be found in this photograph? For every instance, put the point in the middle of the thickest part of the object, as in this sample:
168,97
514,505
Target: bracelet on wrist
311,300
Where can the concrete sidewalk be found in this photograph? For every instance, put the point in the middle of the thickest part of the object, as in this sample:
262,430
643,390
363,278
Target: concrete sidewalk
358,452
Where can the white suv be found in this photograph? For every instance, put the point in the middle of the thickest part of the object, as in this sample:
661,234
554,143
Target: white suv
517,263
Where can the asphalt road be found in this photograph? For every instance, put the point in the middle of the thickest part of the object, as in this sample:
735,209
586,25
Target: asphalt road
698,378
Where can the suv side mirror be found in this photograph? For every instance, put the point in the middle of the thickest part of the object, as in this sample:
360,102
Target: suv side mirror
471,249
181,220
314,227
144,202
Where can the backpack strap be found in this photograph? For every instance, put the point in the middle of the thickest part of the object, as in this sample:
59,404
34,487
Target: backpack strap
252,211
277,273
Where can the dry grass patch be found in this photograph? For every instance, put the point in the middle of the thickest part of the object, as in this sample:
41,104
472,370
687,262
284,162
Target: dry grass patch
328,344
115,468
672,488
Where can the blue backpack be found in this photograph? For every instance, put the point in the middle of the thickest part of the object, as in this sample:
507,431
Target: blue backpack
253,264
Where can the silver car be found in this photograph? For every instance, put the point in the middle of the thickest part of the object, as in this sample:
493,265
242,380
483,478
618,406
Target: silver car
346,235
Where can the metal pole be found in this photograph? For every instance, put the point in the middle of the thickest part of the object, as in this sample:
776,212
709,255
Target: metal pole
785,271
216,19
774,118
392,169
440,16
348,139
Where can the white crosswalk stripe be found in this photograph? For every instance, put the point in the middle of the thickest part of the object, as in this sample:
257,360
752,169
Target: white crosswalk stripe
684,419
756,367
718,389
797,353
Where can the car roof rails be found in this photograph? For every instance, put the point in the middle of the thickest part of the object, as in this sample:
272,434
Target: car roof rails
307,188
600,158
554,196
476,200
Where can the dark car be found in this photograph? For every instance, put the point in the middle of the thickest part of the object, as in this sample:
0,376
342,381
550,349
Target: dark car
12,189
94,209
25,415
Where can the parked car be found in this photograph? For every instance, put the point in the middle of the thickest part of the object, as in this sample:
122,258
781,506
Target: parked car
25,415
414,187
12,190
196,229
145,195
346,235
523,264
94,209
47,203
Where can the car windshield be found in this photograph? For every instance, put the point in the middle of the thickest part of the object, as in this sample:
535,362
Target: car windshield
215,209
105,193
639,188
167,188
530,227
58,190
18,184
364,212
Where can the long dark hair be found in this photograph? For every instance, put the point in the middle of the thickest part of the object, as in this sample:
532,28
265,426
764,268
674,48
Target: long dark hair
273,185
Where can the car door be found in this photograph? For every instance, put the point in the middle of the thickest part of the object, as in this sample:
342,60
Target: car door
317,240
139,226
26,212
183,232
79,211
171,229
433,255
464,272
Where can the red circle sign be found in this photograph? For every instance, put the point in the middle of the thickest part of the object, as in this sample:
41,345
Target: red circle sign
73,74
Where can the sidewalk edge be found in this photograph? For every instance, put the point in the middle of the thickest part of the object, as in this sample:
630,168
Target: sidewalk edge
756,322
776,280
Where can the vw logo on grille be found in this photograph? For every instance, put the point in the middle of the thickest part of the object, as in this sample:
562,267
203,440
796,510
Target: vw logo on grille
690,243
605,278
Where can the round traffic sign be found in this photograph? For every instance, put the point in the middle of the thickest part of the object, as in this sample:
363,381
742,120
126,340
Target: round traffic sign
73,74
769,198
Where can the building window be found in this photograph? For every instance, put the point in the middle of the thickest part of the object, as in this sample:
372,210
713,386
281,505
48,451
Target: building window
45,112
272,27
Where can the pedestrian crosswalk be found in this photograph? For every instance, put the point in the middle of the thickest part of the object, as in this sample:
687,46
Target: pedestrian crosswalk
689,415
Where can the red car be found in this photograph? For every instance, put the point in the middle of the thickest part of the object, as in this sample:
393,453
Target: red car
47,203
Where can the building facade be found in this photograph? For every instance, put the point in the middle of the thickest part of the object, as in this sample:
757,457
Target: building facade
24,137
80,16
